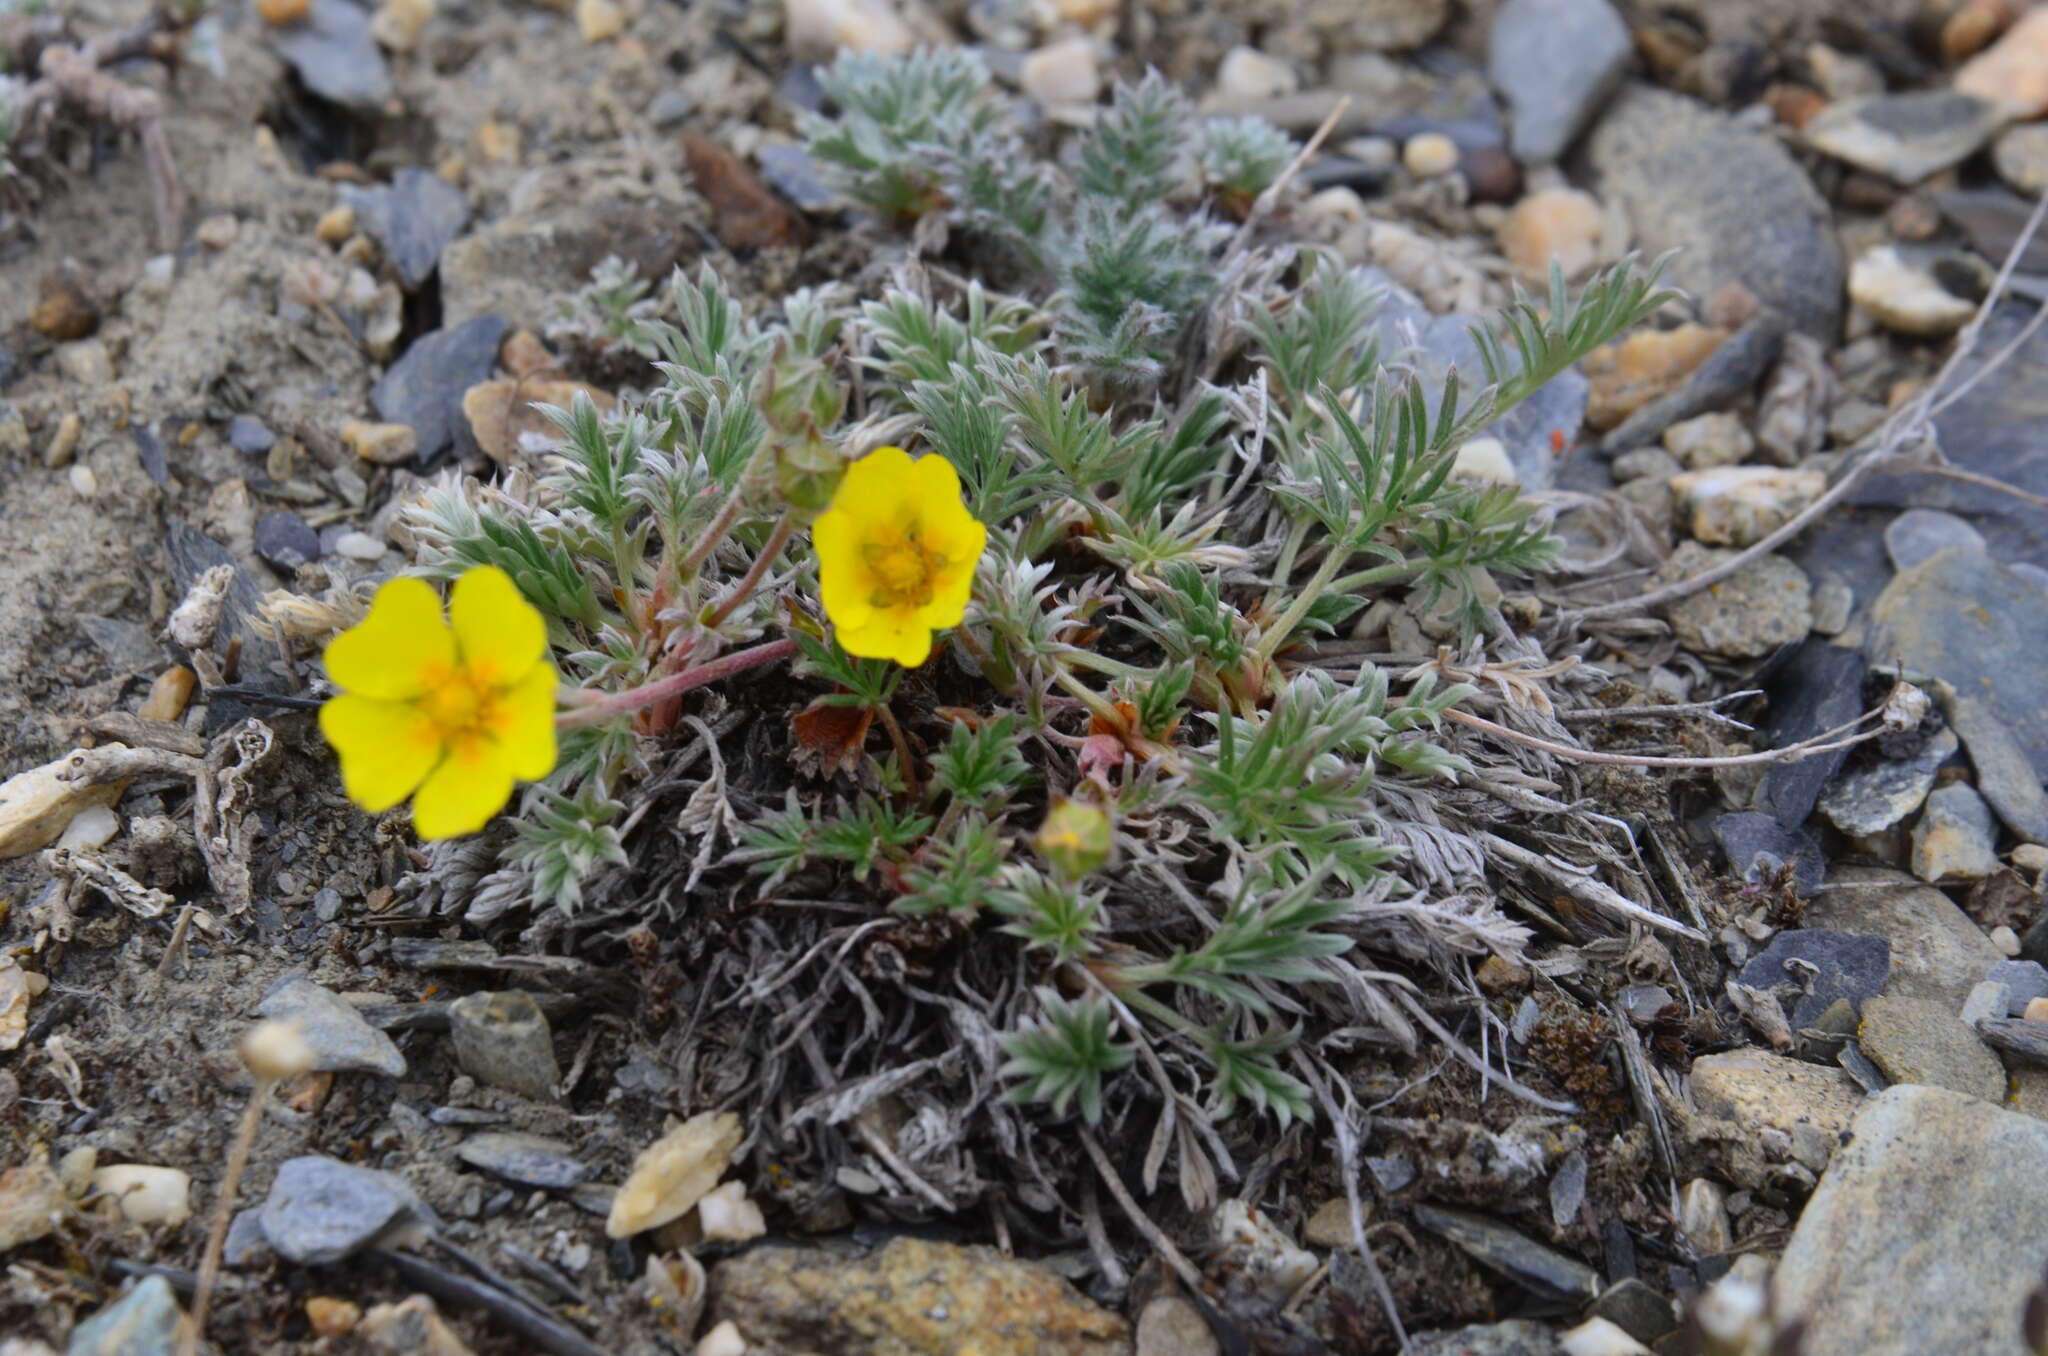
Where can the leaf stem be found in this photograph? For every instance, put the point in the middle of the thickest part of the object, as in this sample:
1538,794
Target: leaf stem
785,528
591,708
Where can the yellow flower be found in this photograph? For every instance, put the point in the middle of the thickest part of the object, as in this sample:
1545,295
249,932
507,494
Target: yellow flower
456,713
896,555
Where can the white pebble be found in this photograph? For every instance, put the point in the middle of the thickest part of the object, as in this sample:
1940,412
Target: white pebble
84,481
1600,1337
1485,459
95,826
2005,939
359,546
146,1194
723,1340
1247,73
1062,73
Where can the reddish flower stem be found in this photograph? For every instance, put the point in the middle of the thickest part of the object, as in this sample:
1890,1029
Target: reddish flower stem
603,707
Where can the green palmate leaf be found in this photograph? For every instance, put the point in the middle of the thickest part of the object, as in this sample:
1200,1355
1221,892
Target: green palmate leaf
1056,915
1249,1070
1166,469
1324,336
920,342
563,839
1546,344
455,536
1276,936
1241,157
955,874
982,767
868,833
1062,1058
1136,153
864,682
899,120
778,843
1129,279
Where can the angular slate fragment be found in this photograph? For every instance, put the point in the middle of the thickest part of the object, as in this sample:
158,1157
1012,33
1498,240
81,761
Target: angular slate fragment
1846,965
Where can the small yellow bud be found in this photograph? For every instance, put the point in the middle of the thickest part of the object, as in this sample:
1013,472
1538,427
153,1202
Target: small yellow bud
1075,838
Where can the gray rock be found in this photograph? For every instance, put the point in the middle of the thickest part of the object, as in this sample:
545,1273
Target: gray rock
789,171
503,1039
1392,1173
1989,1001
2025,1041
1917,534
1873,798
341,1040
1858,1066
1732,201
327,905
1964,618
1846,966
1955,838
1937,951
2025,980
529,1160
247,433
1501,1249
1642,1002
1812,688
127,645
1556,61
1645,463
246,1243
1516,1337
1892,1256
2021,157
413,218
284,539
522,265
332,51
1637,1310
1568,1189
1757,845
425,387
2030,571
142,1322
1920,1040
1766,604
321,1210
1904,137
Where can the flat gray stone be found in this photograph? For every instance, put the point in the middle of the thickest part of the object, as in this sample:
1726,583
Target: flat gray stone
1905,137
529,1160
246,1243
1733,202
1872,798
1516,1337
1846,966
424,388
1917,534
1758,847
1989,1001
413,218
1937,951
1523,1260
1956,838
142,1322
1918,1040
1766,604
321,1210
2025,980
1556,61
341,1040
1924,1237
334,54
503,1039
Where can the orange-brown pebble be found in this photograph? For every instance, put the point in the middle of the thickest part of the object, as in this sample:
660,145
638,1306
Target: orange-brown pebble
524,355
1627,375
168,694
1975,26
1794,104
279,13
332,1317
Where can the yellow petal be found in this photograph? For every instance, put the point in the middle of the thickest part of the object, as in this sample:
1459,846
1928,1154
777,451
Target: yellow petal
937,481
386,748
498,632
397,651
524,723
880,487
843,583
895,634
471,784
955,583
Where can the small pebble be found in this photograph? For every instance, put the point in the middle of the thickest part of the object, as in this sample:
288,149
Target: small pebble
279,13
84,482
1062,73
384,444
90,829
598,20
503,1039
2005,939
168,694
332,1317
1559,224
336,225
1430,155
360,546
2037,1010
14,439
64,442
397,23
217,233
1249,74
2031,858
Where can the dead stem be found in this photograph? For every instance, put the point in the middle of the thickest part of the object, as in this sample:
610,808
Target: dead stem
1138,1218
1828,741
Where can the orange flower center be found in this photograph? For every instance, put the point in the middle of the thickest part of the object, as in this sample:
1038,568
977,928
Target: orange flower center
461,702
903,568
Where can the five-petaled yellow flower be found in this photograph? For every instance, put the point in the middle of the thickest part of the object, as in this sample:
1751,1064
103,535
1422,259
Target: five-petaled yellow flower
455,712
896,555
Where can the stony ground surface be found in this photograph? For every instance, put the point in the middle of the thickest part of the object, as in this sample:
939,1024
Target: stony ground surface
382,212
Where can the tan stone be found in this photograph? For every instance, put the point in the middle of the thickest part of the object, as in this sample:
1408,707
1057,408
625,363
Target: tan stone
2013,72
1560,224
502,413
384,444
910,1296
1630,373
1761,1091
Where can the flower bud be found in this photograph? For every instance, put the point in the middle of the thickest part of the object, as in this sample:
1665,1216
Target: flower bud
807,471
1075,838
